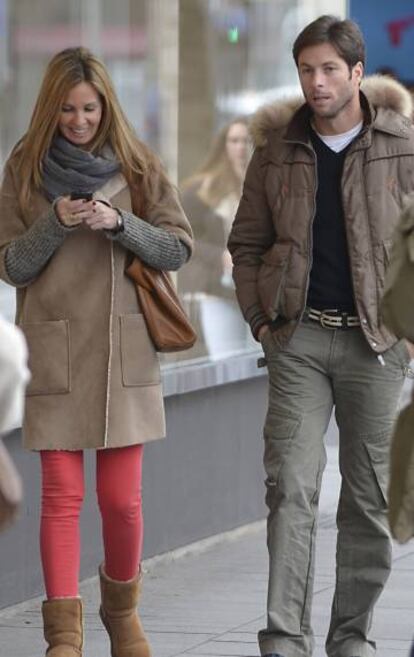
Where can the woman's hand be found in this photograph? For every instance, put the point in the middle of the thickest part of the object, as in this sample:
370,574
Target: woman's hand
70,213
100,216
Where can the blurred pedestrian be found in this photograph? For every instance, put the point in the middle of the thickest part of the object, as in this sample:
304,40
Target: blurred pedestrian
310,244
80,193
13,377
210,198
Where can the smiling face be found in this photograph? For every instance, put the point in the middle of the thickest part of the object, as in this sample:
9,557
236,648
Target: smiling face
80,115
331,89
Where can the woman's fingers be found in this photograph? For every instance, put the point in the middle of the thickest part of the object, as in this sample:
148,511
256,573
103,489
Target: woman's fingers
95,215
102,217
68,211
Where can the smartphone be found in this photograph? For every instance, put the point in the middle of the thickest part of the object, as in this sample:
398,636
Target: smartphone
85,196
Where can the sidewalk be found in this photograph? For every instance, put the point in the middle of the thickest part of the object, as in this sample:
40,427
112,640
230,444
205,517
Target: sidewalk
210,600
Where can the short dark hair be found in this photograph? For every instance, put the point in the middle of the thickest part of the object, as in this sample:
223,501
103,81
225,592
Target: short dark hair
344,35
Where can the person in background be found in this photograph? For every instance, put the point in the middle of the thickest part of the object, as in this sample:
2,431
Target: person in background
13,378
210,198
310,243
397,310
81,194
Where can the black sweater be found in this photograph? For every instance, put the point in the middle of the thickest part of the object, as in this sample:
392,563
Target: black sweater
330,283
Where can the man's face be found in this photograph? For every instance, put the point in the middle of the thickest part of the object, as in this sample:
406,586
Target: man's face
329,87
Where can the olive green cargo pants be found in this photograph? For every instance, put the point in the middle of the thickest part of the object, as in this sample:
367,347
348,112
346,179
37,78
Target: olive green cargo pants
321,369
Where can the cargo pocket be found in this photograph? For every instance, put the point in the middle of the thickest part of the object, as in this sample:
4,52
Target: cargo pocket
49,357
378,448
139,360
279,431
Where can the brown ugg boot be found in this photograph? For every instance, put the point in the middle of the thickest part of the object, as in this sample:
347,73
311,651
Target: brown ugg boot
63,629
119,615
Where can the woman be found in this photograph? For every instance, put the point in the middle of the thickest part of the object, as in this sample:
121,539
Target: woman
95,375
210,199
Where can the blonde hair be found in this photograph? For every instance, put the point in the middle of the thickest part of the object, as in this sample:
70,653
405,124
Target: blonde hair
217,176
64,71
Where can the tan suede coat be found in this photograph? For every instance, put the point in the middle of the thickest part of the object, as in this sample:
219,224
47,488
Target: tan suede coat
271,239
95,374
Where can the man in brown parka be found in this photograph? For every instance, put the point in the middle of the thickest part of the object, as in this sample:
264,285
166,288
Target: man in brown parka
310,246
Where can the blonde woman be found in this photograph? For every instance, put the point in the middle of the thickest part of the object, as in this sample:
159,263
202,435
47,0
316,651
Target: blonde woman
80,194
210,198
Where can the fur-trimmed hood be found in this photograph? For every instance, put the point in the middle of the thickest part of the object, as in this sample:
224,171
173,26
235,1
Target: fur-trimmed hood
380,90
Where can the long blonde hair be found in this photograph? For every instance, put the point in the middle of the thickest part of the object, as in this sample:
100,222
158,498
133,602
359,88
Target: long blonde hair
216,174
64,71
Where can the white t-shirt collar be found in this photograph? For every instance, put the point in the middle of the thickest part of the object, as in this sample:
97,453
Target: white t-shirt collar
337,143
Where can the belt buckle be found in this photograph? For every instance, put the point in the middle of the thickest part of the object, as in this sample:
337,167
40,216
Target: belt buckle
325,317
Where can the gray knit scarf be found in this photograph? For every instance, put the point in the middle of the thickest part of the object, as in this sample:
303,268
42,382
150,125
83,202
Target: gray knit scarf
67,168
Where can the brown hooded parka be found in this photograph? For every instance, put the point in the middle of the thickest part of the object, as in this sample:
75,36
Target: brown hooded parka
271,239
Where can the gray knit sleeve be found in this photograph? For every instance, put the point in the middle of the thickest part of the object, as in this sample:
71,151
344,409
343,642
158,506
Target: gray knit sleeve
26,256
157,247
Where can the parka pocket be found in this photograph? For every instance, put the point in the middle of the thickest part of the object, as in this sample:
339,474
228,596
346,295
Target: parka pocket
139,361
271,277
49,357
381,255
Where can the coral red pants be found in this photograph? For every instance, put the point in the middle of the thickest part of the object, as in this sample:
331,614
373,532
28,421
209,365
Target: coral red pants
118,486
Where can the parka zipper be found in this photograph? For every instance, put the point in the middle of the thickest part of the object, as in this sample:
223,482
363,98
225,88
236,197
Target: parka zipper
310,226
348,242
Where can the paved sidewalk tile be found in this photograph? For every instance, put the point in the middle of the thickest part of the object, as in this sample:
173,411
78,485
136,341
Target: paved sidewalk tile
212,603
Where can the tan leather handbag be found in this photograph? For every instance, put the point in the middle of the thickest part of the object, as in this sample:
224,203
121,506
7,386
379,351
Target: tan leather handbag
167,324
10,488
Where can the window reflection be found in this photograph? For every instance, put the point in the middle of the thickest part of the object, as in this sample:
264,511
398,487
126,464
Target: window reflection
210,198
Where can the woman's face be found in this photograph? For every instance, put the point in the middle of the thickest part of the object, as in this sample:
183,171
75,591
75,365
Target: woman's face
238,145
80,114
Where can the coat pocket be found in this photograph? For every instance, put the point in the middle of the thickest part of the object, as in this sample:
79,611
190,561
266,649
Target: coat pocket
139,360
271,278
49,357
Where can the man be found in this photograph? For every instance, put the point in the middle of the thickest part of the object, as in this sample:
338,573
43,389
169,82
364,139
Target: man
310,244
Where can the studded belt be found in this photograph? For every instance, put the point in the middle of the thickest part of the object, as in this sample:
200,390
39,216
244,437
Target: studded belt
332,319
